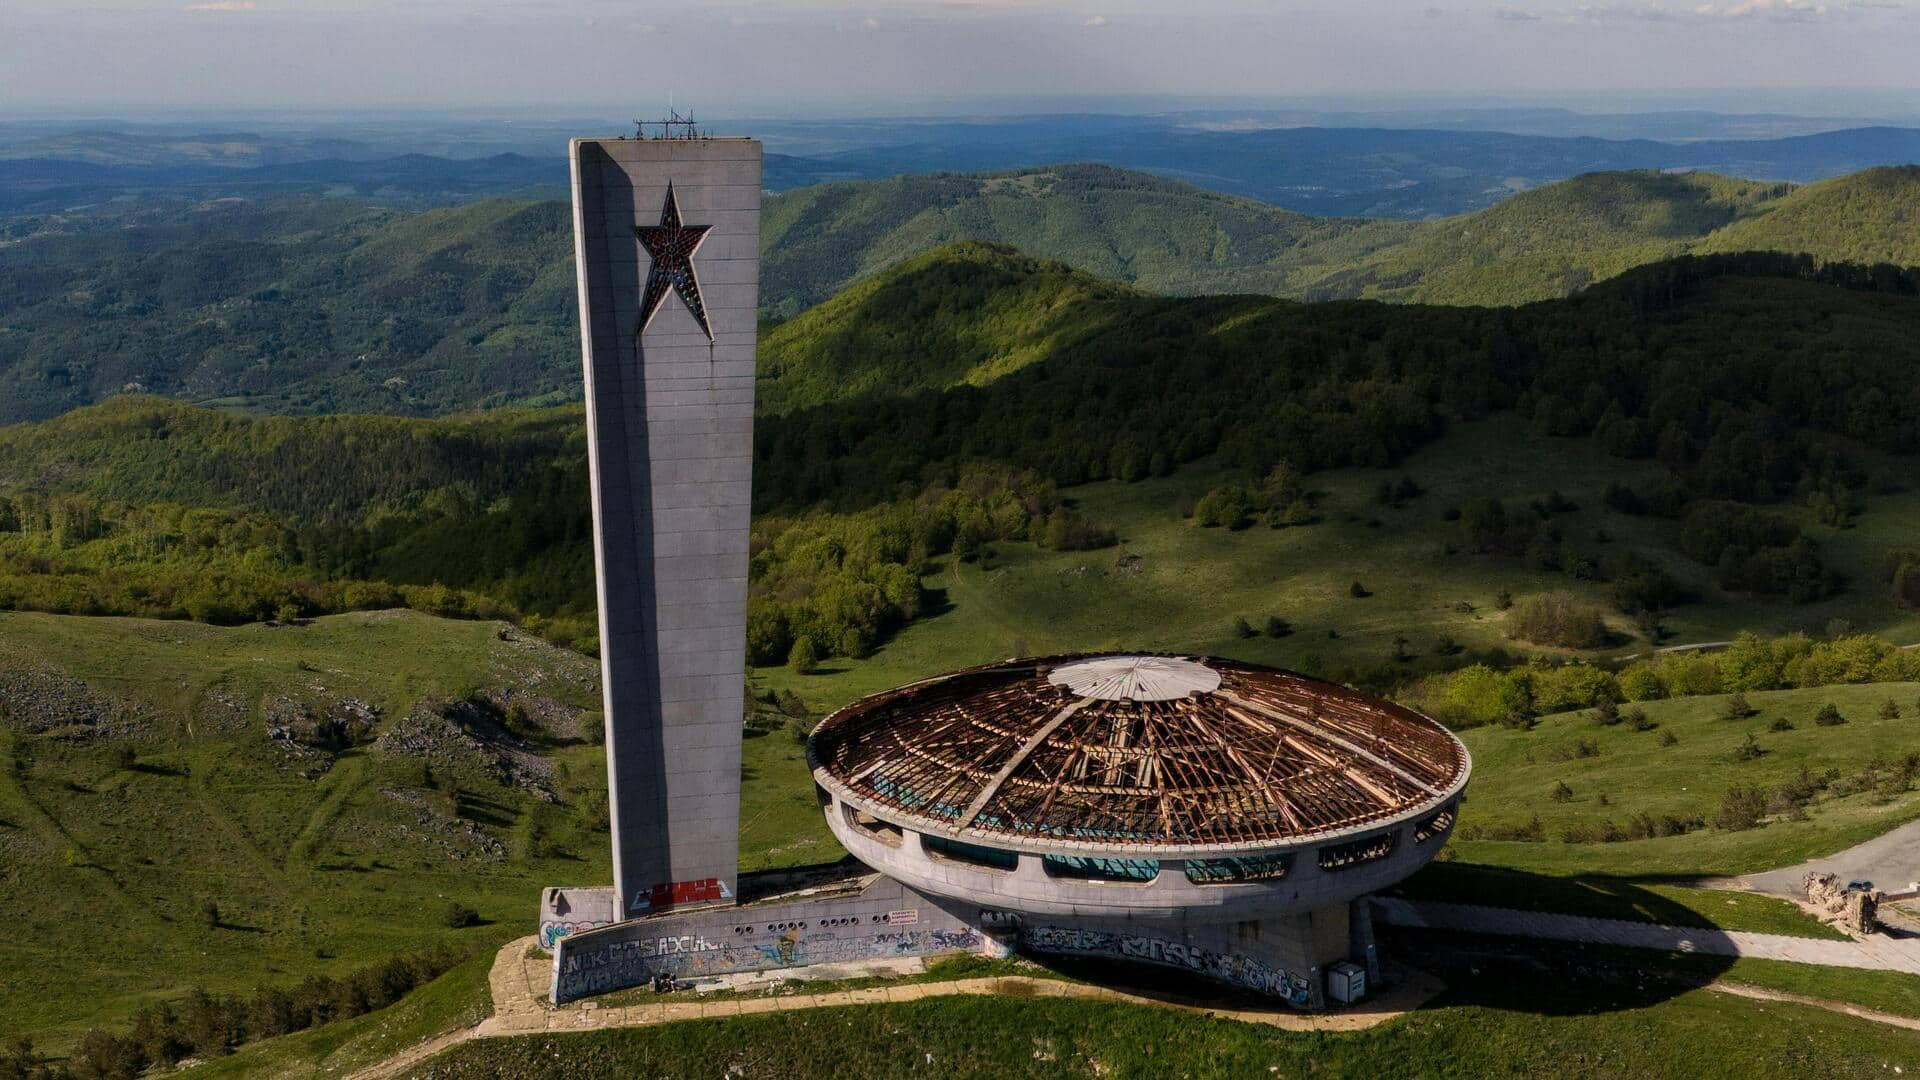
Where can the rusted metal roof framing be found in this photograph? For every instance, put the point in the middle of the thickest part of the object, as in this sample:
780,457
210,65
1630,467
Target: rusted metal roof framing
1269,756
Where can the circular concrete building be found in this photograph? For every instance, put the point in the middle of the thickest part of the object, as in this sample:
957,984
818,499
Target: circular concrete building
1227,812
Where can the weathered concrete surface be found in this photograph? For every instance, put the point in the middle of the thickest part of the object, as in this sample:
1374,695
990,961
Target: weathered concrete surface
868,918
1877,954
670,446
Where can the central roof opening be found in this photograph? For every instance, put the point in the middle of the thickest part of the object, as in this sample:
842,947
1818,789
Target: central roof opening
1136,678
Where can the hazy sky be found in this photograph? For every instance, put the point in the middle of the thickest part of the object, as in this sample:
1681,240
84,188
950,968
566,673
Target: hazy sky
891,55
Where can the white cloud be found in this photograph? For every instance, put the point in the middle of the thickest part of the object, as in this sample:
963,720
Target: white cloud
1097,21
870,23
221,5
1509,14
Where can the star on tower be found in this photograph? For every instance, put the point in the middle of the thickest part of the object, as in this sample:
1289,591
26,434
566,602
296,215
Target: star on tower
671,246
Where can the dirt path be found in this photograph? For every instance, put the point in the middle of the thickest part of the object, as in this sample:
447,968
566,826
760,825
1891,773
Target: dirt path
1759,993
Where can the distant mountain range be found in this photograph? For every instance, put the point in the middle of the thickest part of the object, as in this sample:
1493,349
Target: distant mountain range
1170,237
1360,171
321,305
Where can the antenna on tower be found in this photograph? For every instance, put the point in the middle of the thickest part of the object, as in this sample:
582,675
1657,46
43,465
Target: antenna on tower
672,126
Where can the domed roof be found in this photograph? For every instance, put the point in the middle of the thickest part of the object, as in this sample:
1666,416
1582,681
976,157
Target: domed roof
1135,750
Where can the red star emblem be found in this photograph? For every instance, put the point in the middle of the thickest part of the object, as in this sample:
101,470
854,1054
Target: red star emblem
671,246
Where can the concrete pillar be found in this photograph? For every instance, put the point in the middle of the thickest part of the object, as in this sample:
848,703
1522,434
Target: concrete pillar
666,242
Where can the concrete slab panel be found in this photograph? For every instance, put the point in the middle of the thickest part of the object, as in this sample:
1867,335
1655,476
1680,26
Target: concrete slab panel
670,436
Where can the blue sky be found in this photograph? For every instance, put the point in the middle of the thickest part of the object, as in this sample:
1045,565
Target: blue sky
899,55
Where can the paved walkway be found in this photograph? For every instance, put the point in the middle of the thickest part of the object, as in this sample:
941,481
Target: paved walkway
519,984
1890,860
1878,953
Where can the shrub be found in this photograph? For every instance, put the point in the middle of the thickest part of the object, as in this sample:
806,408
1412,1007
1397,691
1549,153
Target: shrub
798,728
107,1056
1780,723
1639,682
1571,686
1607,714
1358,591
1638,720
1829,716
1480,695
1277,627
1741,808
1575,750
1231,505
804,657
1561,792
1531,831
1558,619
1736,708
1242,628
1749,749
458,916
1889,710
210,914
1668,738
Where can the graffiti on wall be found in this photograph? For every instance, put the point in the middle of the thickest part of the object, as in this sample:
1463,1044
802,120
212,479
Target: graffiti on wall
552,930
615,964
1239,970
672,893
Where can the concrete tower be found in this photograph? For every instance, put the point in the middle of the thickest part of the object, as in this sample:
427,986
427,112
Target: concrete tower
666,241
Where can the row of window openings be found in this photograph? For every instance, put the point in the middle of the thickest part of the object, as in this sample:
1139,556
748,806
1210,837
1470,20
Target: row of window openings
844,920
1342,856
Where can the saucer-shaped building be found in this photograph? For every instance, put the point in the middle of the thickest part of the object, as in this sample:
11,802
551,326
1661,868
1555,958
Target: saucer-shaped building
1203,813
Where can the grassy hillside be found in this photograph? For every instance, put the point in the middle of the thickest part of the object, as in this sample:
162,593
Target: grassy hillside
140,780
1615,772
311,305
1560,1012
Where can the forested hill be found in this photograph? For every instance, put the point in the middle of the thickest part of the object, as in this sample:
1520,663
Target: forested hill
1867,217
1743,380
1164,235
964,314
294,306
306,306
1168,237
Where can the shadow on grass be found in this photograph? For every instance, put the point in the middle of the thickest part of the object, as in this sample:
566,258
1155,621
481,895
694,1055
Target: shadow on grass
1547,978
146,768
1596,896
485,811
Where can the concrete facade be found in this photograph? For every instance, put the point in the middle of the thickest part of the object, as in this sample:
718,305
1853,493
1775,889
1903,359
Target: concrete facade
1305,887
872,918
670,442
